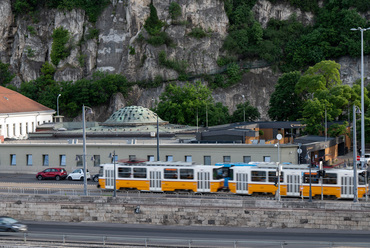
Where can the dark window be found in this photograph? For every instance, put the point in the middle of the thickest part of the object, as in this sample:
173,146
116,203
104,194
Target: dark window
170,173
330,178
139,172
124,172
259,176
314,178
273,175
186,174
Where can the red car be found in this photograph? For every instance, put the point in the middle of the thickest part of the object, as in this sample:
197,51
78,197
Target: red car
52,173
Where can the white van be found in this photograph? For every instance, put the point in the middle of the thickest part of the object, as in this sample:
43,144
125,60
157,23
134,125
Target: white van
78,174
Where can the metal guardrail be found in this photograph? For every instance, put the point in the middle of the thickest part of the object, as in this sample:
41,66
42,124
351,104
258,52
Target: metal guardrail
71,240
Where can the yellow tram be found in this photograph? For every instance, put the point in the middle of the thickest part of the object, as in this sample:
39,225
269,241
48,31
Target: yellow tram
162,177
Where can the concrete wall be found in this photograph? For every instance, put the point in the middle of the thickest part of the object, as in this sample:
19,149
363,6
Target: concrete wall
199,212
140,149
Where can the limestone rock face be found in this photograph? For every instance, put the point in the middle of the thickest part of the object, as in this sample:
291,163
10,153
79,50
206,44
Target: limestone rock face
114,44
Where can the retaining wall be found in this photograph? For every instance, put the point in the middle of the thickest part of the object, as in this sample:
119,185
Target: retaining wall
189,211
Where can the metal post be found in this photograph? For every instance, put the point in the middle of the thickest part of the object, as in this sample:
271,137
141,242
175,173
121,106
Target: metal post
157,139
354,156
326,126
84,148
206,114
244,106
310,194
362,94
114,174
58,104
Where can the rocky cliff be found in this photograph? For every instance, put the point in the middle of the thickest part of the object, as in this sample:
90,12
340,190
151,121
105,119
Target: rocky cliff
26,46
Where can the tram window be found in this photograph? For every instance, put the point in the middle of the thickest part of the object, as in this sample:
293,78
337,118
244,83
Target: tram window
258,176
124,172
186,174
272,176
170,174
217,173
314,178
330,178
139,172
361,179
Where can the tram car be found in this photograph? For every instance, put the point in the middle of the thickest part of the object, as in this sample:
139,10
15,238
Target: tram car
295,181
163,177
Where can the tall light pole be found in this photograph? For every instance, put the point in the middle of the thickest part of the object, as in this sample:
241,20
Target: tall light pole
58,104
362,94
114,173
244,106
84,145
157,134
354,154
279,137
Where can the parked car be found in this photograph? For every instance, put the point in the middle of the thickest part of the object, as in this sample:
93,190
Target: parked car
8,224
78,174
52,173
95,178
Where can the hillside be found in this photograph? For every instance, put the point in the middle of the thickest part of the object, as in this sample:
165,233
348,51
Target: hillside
185,44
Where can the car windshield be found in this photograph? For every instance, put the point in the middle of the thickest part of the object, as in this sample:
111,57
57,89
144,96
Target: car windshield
9,220
76,171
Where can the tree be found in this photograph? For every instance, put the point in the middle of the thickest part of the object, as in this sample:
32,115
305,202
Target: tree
323,91
5,75
251,113
191,104
285,103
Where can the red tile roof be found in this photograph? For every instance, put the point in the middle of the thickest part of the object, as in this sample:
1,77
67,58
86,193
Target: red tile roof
13,102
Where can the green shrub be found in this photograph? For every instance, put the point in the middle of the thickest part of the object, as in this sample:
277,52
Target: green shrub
234,73
175,10
153,25
197,33
32,30
5,75
30,52
93,34
178,66
132,50
160,39
59,50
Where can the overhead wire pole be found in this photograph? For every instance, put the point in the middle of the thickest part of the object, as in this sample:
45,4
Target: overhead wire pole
354,156
362,95
84,148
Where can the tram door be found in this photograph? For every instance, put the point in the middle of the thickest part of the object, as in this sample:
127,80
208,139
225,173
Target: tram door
109,178
155,180
241,183
203,181
293,183
346,188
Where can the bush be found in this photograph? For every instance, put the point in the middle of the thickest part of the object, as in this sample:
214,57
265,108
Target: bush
198,33
175,10
153,25
59,50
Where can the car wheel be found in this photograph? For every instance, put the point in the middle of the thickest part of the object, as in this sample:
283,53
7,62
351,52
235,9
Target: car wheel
39,178
81,178
57,178
96,179
69,178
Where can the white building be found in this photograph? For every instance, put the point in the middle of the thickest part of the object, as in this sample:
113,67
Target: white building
19,115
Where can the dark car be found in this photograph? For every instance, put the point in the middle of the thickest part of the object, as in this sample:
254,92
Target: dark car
52,173
8,224
96,178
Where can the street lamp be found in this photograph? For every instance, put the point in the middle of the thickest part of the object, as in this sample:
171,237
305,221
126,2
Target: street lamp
58,104
243,106
362,94
279,137
114,173
84,145
355,111
157,134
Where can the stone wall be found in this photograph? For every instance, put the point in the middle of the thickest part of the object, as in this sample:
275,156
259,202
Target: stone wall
344,215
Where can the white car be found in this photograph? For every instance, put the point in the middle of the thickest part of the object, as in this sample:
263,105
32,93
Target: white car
78,174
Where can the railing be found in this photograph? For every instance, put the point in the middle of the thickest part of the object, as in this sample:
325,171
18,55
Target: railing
71,240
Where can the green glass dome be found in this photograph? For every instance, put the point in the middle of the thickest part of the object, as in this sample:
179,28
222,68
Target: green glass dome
133,116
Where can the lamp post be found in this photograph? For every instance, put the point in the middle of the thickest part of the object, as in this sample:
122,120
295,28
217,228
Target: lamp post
243,107
362,94
84,145
279,137
58,104
354,154
157,134
114,173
